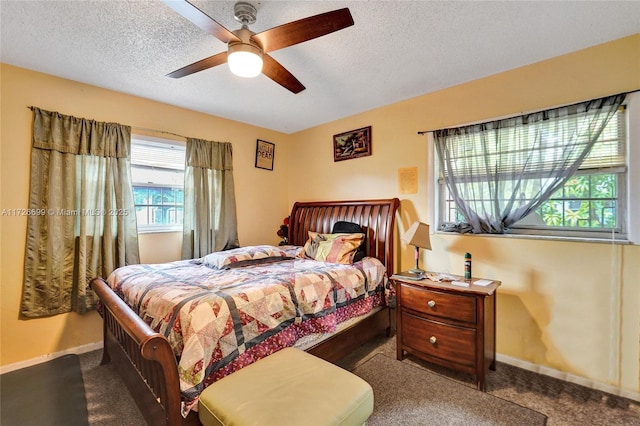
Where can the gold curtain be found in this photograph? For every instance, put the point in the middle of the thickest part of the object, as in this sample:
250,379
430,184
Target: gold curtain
210,222
83,220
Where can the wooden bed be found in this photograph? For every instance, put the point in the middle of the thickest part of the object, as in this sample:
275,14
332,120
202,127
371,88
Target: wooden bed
145,359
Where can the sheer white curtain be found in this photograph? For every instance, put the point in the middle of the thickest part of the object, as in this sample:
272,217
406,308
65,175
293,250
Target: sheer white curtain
83,220
498,172
210,222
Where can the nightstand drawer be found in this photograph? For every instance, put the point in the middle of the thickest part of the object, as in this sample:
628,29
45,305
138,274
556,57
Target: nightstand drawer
440,304
443,341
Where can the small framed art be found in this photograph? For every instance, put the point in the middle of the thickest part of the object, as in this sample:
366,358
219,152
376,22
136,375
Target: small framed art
352,144
265,153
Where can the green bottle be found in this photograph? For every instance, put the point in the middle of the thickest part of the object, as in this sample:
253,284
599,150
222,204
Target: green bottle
467,266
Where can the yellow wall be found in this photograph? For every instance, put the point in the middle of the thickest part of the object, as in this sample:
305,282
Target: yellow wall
554,306
256,189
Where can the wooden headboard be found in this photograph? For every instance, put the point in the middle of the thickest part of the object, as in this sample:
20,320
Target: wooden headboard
377,217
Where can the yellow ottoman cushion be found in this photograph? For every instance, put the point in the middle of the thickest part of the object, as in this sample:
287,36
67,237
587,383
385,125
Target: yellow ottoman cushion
289,387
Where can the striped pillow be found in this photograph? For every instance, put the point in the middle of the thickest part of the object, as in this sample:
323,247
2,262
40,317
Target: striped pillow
331,248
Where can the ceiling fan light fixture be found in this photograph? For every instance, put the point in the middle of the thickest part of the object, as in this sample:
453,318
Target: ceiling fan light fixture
245,60
246,50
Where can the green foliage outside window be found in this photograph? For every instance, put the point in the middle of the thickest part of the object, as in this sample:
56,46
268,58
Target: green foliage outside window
588,201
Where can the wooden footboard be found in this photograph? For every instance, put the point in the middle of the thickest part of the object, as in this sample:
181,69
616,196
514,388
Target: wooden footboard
145,359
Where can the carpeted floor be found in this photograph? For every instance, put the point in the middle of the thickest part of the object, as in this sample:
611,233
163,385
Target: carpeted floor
406,394
564,403
47,394
404,391
108,400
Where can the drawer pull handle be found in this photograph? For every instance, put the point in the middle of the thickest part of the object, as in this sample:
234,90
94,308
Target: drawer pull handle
431,303
433,340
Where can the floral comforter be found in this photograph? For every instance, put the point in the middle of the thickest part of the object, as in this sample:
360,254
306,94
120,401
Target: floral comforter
220,320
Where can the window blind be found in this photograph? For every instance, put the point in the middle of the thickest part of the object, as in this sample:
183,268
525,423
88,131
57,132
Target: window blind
157,155
536,143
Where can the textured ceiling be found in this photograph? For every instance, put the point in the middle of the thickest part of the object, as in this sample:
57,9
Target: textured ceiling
396,50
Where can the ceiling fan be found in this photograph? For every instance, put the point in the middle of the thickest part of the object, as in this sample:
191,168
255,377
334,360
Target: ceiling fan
247,52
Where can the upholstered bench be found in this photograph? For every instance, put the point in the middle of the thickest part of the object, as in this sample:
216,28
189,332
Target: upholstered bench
289,387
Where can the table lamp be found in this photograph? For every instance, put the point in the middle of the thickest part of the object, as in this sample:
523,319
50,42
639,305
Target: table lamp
417,235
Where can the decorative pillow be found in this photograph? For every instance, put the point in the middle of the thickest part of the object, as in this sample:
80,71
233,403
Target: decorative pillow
343,227
331,248
242,256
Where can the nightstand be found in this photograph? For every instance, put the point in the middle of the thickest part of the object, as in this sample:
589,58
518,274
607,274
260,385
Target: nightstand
447,324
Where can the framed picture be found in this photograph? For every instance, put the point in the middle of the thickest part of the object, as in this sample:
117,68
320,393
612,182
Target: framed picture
352,144
265,152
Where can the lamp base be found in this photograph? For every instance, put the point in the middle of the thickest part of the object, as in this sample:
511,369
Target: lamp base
417,271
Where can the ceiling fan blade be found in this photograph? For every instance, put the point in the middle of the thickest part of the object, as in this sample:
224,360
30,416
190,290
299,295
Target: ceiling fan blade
305,29
202,20
201,65
276,72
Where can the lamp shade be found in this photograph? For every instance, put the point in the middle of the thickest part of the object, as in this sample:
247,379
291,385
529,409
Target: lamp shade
417,235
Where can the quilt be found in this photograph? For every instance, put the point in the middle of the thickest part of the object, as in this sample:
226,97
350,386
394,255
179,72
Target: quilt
220,319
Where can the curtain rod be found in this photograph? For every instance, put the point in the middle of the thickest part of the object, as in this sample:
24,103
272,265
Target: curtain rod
164,132
143,129
423,132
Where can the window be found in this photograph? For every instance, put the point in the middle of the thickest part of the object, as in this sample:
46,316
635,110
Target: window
595,202
157,173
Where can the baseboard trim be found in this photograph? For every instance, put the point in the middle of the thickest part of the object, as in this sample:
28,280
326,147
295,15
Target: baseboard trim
567,377
39,360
